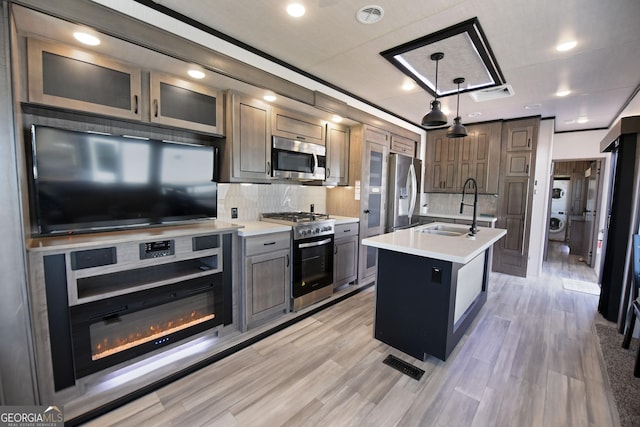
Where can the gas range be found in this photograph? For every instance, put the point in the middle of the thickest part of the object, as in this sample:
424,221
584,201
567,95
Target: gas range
304,224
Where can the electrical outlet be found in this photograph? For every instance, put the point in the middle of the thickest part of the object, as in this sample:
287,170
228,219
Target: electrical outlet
234,213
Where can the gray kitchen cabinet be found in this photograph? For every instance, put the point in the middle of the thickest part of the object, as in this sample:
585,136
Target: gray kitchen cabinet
266,277
337,155
519,140
67,77
345,254
402,145
373,192
182,103
441,162
294,125
71,78
450,161
246,154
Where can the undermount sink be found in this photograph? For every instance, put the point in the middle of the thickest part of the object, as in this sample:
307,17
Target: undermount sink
444,230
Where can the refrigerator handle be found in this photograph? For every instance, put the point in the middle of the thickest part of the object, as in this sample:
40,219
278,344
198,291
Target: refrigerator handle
414,190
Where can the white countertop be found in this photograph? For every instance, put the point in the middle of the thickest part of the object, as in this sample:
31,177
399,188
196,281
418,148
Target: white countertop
63,242
459,249
344,219
256,228
489,219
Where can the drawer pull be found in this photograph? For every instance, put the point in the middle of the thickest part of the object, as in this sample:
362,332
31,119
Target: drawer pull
269,243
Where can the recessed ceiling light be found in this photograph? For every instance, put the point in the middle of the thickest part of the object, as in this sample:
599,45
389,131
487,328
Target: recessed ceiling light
474,114
563,47
408,85
562,93
532,106
196,74
336,118
269,98
582,120
87,39
369,14
569,122
296,10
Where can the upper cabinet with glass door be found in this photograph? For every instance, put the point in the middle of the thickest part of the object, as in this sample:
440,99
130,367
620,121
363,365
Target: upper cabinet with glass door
184,104
71,78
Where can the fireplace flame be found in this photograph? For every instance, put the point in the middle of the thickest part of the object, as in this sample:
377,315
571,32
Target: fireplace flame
110,346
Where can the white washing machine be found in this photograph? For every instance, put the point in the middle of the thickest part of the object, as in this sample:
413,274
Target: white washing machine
560,196
558,227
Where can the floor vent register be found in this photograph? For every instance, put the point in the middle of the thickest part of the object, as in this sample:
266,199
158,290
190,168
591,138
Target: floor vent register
404,367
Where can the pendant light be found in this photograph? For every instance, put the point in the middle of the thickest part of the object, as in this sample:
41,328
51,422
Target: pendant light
457,130
435,117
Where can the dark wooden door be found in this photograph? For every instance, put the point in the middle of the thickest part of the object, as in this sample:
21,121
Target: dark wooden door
519,138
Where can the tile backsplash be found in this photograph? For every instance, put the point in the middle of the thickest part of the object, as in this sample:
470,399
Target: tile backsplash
450,203
254,199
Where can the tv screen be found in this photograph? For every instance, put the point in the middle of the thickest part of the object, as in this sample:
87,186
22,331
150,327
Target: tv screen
84,182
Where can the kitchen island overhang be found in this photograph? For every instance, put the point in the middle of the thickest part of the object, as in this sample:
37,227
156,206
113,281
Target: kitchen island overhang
430,286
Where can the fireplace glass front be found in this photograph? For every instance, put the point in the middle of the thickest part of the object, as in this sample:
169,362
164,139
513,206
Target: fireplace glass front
117,329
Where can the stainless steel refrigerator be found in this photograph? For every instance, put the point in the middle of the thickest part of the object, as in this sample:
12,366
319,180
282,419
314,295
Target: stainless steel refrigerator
402,200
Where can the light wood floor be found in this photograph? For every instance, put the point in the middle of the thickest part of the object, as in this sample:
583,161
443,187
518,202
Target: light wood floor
531,359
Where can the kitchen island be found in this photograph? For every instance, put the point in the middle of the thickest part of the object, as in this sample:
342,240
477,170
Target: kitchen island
432,282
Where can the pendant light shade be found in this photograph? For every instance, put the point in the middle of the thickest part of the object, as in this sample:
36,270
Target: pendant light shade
435,117
457,130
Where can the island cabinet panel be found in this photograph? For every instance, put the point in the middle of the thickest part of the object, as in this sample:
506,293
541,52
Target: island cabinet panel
425,305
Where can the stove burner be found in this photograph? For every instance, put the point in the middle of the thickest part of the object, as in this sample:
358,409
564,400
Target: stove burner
296,216
303,224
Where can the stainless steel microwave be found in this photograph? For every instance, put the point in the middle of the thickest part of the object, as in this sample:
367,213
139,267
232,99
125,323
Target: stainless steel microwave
300,160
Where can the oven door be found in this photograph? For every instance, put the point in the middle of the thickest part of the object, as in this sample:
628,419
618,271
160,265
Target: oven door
312,264
293,159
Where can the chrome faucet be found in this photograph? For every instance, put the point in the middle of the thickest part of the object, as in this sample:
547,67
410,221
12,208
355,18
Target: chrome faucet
474,225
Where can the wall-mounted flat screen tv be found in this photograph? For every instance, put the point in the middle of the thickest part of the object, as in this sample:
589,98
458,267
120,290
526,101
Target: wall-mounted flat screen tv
86,182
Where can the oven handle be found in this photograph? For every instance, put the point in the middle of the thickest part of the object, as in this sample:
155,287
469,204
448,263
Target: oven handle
312,244
315,163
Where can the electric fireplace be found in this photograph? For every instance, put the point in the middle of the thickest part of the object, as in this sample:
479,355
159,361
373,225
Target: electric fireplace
107,332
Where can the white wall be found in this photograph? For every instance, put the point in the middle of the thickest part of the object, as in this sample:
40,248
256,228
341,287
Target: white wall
540,197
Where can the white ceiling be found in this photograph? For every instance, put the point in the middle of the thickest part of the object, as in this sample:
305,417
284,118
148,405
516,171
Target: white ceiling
602,72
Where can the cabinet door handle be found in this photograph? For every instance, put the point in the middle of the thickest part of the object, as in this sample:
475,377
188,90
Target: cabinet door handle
366,211
135,104
528,142
328,172
527,170
155,108
268,168
335,249
287,260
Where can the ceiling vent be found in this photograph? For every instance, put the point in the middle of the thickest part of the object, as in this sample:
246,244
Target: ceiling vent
498,92
369,14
